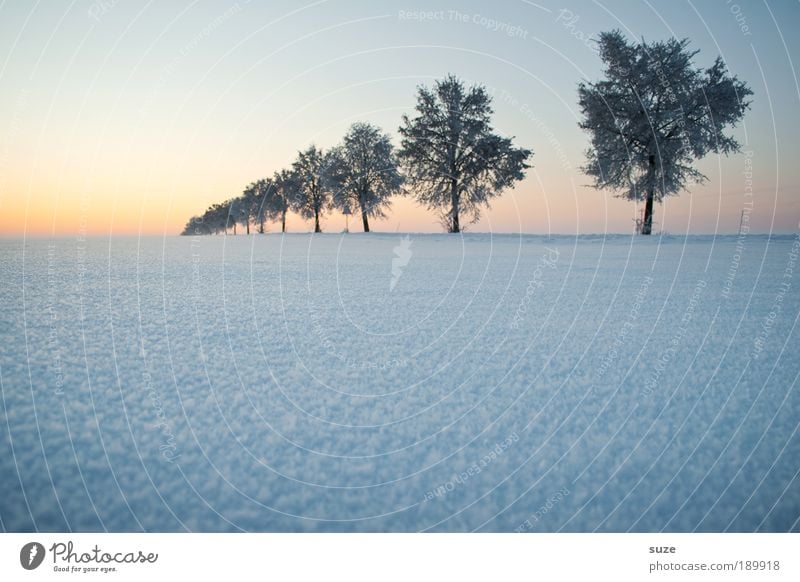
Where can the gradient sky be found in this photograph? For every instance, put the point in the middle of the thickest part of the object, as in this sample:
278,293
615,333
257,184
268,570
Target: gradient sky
123,117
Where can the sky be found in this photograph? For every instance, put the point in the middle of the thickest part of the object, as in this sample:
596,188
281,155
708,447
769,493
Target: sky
122,118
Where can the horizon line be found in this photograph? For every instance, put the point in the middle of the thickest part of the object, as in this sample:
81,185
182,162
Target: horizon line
80,236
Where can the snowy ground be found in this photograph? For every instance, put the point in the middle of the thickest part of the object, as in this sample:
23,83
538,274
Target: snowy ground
494,383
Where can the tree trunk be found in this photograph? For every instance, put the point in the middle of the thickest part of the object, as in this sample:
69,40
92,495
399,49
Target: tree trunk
234,229
647,223
248,227
454,223
261,226
283,222
364,219
316,221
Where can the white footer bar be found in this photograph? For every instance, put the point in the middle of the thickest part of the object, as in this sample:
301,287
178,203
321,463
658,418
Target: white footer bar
401,557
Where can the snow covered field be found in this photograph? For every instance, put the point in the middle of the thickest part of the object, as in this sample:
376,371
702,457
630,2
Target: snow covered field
478,382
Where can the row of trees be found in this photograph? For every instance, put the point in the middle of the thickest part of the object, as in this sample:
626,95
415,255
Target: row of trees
358,175
450,159
649,119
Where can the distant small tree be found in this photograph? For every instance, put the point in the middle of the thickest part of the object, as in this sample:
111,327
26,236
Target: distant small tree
312,196
196,226
280,196
246,206
653,115
452,159
258,202
238,213
217,218
363,173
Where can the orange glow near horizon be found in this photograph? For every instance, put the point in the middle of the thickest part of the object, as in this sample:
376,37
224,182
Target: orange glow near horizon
100,198
68,212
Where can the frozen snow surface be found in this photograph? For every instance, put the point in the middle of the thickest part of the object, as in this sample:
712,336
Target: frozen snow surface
390,382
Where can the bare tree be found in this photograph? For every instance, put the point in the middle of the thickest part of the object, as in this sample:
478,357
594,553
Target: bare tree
312,197
452,159
363,173
653,115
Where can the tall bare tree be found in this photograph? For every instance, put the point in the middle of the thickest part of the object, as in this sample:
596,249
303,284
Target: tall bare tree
653,115
453,160
363,173
312,196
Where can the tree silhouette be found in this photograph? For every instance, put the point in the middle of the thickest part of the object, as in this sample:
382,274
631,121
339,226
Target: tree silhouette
363,173
453,161
653,115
